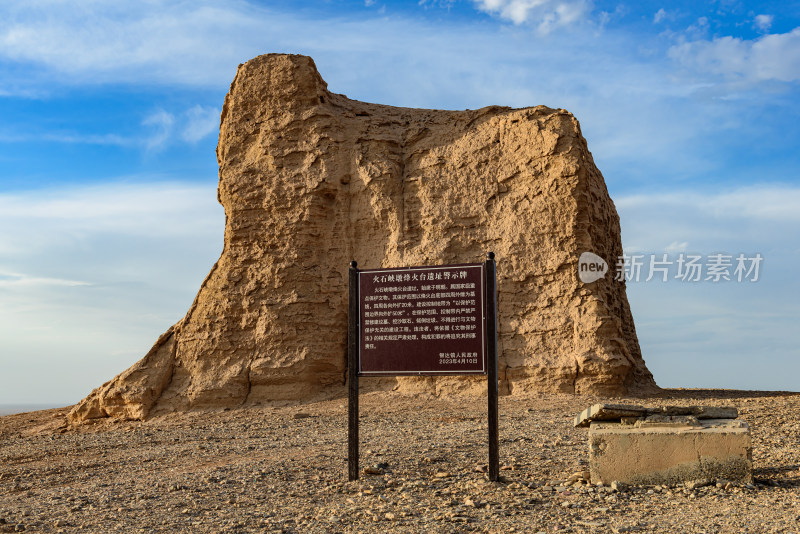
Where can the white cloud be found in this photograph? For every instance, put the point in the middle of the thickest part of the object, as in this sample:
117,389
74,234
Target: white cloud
659,16
91,275
161,128
763,22
190,126
200,122
18,279
624,98
546,15
36,220
776,203
162,123
14,136
770,57
677,247
143,250
196,43
716,328
444,4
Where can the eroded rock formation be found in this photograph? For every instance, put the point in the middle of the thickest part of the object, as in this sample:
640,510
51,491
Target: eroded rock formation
311,180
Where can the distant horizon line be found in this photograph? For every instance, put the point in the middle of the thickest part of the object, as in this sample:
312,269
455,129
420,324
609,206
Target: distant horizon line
14,408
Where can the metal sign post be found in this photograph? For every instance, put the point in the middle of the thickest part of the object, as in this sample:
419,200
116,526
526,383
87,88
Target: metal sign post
433,321
352,375
491,382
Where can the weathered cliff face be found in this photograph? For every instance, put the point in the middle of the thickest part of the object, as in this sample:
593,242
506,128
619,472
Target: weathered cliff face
311,180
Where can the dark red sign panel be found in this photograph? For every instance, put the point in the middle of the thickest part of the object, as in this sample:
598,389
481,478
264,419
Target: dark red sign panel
422,320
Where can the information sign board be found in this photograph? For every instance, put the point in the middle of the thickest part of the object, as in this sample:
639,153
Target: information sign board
422,320
434,320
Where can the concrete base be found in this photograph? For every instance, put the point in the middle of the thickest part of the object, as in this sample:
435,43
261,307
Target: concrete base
672,453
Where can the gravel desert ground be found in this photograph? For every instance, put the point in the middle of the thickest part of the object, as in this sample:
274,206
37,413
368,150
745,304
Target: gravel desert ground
283,469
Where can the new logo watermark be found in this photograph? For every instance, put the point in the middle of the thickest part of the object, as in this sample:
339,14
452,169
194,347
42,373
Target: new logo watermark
591,267
719,267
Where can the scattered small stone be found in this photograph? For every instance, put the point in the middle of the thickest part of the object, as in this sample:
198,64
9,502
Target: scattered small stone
105,478
618,486
302,415
699,483
373,470
575,477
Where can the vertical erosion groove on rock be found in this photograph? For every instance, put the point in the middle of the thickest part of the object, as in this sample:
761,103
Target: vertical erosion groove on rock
311,180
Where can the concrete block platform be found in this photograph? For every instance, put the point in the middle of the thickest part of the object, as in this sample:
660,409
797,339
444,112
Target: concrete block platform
652,454
666,445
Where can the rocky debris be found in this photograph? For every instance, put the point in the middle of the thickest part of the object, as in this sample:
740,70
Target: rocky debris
258,469
659,420
608,412
699,483
630,413
700,412
374,470
311,180
666,444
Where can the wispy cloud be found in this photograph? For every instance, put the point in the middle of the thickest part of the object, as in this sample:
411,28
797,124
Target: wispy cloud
545,15
763,22
160,128
682,325
19,279
200,43
654,110
98,41
779,203
36,220
622,86
68,138
161,123
770,57
191,126
675,246
90,276
200,122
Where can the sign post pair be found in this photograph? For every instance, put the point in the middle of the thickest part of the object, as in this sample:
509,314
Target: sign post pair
423,321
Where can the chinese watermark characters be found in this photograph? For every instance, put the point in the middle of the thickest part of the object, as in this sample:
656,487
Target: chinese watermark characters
683,267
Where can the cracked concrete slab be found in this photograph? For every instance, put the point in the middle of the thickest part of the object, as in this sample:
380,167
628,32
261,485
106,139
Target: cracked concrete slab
670,452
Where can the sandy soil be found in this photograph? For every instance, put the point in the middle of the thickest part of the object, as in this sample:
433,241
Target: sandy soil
283,469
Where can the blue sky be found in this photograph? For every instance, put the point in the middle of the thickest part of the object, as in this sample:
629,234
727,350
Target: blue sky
109,115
